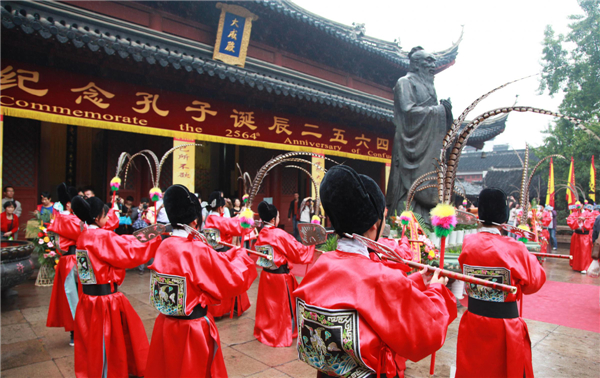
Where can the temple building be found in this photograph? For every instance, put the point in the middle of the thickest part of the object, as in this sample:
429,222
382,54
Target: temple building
500,168
84,81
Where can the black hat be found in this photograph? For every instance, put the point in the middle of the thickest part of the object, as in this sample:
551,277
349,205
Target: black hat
65,194
87,209
492,206
215,200
267,211
353,202
181,205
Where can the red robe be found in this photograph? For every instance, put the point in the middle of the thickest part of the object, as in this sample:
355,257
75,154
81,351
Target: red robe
391,315
228,228
65,289
276,305
401,247
490,347
192,348
109,321
581,245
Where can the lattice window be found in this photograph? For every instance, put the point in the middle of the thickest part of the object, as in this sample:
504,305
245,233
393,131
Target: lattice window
20,152
254,158
289,184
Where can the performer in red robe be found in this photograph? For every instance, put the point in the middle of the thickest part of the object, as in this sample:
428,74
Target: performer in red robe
65,289
110,339
546,221
189,276
401,247
356,316
581,242
217,227
275,323
493,340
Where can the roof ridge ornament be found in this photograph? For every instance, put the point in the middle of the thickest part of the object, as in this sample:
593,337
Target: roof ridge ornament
359,30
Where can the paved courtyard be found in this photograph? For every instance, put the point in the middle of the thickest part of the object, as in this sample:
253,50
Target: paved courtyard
29,349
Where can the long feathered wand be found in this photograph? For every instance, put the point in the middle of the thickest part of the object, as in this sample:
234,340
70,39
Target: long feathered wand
443,216
155,169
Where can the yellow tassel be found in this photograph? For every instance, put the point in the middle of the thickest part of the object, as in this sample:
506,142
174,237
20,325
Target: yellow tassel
443,210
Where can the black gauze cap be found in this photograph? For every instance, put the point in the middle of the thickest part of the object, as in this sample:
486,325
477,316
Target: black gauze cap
87,209
492,206
353,202
215,200
266,211
181,205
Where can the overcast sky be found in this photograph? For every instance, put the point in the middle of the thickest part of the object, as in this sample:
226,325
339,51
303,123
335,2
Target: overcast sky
502,41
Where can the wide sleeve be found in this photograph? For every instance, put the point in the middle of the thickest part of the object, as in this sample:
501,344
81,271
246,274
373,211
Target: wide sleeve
413,323
227,226
588,224
294,251
527,272
66,226
123,251
225,275
404,250
113,220
547,218
572,221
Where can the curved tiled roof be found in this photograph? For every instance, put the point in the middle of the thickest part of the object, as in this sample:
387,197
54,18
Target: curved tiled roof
488,129
510,182
101,34
354,35
500,160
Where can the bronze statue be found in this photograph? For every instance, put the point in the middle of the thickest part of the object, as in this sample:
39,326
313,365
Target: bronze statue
421,124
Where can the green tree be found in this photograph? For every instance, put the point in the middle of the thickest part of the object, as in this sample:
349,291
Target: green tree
571,64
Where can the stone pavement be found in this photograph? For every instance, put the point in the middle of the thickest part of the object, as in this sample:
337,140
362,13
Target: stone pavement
29,349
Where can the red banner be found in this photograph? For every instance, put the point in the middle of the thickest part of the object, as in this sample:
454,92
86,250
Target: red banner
51,95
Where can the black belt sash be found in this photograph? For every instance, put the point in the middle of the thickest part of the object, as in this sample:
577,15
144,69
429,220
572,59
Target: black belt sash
496,310
284,269
71,251
580,232
101,289
198,312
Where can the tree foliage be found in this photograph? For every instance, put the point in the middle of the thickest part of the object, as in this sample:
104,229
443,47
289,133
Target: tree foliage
571,64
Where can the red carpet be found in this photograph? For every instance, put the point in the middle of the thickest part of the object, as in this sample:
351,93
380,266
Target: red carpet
565,304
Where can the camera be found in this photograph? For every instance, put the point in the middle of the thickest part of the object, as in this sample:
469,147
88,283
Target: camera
145,206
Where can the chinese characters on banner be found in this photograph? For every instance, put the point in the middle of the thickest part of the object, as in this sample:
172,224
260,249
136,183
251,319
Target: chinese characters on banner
46,94
233,34
184,164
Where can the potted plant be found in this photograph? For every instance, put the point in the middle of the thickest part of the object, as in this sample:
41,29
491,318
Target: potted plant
45,249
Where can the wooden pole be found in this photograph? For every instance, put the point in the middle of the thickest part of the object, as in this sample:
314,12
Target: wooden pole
442,251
